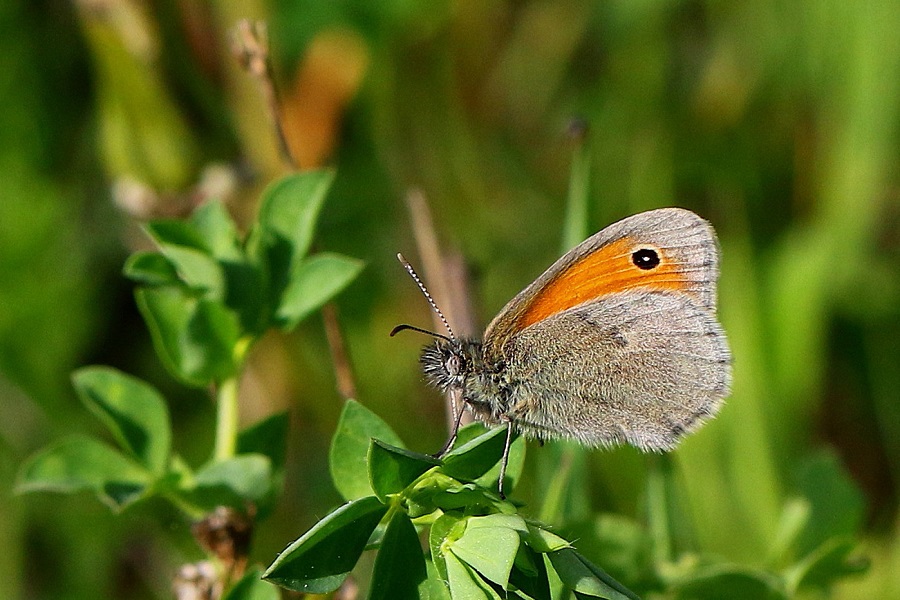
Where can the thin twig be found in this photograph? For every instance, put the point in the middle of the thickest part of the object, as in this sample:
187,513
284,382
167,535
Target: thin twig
250,46
447,279
343,369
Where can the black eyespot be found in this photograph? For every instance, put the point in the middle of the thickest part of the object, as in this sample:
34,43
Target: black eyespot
645,258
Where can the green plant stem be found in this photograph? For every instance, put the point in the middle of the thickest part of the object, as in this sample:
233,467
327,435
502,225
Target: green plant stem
575,226
659,476
226,419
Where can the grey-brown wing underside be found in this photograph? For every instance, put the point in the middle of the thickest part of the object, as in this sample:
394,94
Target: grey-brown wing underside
639,367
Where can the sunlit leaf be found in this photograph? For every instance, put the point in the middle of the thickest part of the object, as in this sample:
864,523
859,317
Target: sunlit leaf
400,565
196,338
151,268
392,469
313,282
320,560
350,448
84,464
133,411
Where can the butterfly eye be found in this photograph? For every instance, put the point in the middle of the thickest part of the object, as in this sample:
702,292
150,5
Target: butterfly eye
645,258
454,364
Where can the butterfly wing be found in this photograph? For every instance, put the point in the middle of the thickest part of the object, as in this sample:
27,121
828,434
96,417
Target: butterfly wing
618,340
638,367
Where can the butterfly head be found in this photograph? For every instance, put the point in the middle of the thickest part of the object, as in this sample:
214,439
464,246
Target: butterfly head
447,363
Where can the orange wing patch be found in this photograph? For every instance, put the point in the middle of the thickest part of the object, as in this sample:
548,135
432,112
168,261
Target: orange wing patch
606,271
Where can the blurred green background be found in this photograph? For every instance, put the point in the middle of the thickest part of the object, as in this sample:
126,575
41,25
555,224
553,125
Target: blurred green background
778,122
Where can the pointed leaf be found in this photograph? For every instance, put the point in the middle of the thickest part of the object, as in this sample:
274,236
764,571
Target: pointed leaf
435,587
285,225
173,232
233,482
392,469
313,282
618,543
183,245
489,545
476,457
825,565
216,228
151,268
400,565
446,529
133,411
348,455
544,541
81,463
195,338
529,575
320,560
578,574
465,583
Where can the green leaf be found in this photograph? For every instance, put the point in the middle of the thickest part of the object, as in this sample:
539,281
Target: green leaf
313,282
489,545
81,463
267,437
392,469
446,529
514,466
731,582
251,587
399,566
183,245
285,225
825,565
216,228
465,583
244,285
544,541
233,482
579,575
349,450
198,270
133,411
320,560
529,575
151,268
476,457
620,544
471,497
195,338
435,587
837,506
173,232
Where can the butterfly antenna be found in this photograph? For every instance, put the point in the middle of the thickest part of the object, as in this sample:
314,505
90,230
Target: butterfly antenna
434,306
405,327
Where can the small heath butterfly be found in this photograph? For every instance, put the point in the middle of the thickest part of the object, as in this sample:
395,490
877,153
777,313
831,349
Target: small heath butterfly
617,342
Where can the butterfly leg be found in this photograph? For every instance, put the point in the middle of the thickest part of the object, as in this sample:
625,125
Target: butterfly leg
457,412
505,459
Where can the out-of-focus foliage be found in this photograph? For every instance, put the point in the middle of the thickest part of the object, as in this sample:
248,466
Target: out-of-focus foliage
779,123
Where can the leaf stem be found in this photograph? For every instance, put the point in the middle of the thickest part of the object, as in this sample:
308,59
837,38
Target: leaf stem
226,419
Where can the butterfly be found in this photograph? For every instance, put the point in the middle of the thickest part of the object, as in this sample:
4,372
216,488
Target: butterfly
617,342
